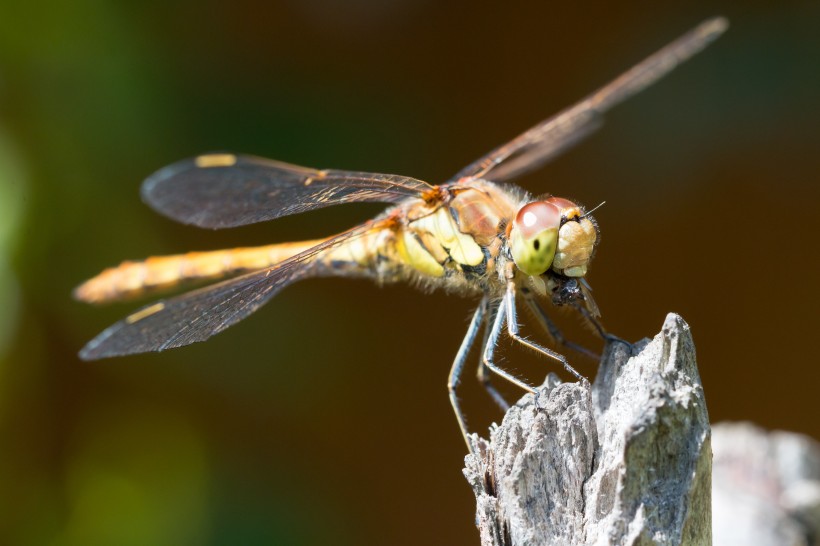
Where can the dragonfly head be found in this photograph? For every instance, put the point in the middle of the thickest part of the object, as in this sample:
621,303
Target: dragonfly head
553,234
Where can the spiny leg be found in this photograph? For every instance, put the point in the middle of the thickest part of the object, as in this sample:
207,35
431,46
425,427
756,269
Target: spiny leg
512,330
483,373
599,328
492,341
458,365
553,330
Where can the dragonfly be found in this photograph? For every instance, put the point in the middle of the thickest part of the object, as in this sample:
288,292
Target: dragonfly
476,235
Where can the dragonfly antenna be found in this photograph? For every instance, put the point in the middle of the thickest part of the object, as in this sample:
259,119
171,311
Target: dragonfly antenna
587,213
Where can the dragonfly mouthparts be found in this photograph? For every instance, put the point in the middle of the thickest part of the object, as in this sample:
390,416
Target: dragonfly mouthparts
565,290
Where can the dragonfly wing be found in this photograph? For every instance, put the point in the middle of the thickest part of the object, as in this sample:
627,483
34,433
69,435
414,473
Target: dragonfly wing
189,318
200,314
226,190
554,135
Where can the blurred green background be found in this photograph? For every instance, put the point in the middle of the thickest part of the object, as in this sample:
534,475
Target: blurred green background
324,418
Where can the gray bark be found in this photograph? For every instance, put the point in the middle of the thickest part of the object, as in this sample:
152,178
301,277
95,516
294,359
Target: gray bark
626,460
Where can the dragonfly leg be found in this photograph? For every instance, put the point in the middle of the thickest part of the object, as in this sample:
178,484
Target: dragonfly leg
492,341
553,330
484,375
599,328
458,366
512,330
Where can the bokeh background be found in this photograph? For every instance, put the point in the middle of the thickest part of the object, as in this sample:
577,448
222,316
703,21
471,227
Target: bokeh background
324,419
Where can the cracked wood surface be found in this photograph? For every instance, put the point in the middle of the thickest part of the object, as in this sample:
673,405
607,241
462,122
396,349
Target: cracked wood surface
626,460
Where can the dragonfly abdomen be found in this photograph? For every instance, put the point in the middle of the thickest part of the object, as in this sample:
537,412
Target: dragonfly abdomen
135,278
370,255
421,250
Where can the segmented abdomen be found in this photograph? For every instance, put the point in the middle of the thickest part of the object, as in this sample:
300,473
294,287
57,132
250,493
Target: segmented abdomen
133,279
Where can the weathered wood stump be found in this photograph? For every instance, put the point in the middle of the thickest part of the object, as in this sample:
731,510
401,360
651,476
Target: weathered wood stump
626,460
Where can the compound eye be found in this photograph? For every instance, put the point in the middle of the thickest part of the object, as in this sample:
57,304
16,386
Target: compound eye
562,203
535,217
569,210
534,237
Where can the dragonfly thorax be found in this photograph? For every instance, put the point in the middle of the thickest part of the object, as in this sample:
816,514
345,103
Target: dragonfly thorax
553,234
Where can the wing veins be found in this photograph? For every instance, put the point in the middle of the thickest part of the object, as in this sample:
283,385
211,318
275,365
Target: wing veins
556,134
186,313
250,190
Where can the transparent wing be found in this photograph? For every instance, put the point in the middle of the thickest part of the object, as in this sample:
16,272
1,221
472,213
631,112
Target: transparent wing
200,314
552,136
226,190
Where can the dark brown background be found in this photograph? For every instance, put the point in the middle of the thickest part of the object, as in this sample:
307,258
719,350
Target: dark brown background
324,418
